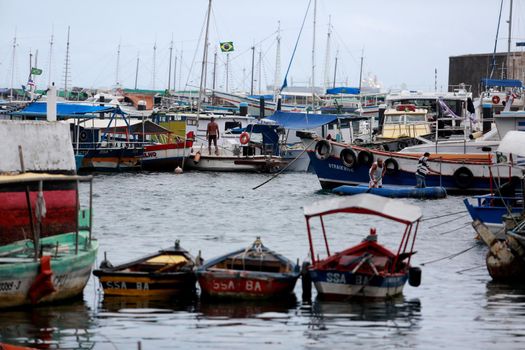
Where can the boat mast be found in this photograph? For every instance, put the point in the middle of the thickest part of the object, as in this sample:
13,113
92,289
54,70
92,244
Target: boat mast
313,55
66,72
511,76
175,72
277,76
171,57
50,58
253,61
335,67
327,56
13,68
227,72
137,70
204,59
154,64
118,64
493,65
260,71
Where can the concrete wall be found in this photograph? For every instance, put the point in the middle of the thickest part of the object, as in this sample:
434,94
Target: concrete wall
46,146
470,69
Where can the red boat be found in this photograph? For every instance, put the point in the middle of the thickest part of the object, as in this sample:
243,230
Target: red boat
60,200
252,273
367,269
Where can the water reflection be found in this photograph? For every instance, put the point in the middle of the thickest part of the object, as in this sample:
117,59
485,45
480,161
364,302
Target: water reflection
118,304
48,326
246,309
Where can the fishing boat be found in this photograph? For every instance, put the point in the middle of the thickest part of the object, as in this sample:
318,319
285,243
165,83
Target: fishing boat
255,272
394,192
4,346
167,156
36,267
367,269
167,272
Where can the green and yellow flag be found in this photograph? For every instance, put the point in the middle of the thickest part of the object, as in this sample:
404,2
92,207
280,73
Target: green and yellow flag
227,46
36,71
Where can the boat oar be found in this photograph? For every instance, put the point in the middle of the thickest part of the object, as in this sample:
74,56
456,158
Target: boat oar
286,167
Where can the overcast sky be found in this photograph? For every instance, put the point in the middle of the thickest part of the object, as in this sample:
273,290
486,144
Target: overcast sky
403,40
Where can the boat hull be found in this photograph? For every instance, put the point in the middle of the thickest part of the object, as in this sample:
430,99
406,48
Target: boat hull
394,192
70,272
343,284
164,157
257,164
246,285
110,160
148,285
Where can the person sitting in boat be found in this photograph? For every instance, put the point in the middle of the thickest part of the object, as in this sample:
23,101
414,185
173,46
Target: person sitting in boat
212,134
377,172
422,170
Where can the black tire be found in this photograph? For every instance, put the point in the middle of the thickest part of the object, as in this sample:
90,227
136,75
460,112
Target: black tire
463,177
365,158
323,149
83,135
401,145
348,158
391,166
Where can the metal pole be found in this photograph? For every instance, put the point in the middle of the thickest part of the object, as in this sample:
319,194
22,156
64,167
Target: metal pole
214,70
204,59
169,70
13,68
175,74
228,72
260,71
335,68
137,71
90,208
253,61
313,55
509,42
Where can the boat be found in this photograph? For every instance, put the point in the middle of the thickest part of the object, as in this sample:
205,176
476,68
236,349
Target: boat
367,269
36,267
337,163
167,156
394,192
168,272
255,272
4,346
490,209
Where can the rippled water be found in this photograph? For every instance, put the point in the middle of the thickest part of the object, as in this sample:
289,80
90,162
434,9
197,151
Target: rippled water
455,307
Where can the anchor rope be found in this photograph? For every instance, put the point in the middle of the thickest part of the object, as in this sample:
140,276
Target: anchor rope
442,216
451,256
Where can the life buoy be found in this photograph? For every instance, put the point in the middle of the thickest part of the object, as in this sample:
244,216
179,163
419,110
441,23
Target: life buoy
365,158
244,138
495,99
323,149
391,166
463,177
348,158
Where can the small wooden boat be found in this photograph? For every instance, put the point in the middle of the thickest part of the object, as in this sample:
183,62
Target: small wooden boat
394,192
252,273
367,269
490,209
4,346
167,272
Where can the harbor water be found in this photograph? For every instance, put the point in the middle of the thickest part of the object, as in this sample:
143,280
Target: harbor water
456,307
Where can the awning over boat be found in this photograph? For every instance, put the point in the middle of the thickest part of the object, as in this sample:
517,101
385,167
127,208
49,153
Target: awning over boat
513,143
298,121
343,90
501,82
39,109
366,204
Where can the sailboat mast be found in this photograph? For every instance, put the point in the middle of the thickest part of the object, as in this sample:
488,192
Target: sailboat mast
335,68
253,61
50,58
277,77
13,68
137,71
260,71
214,70
361,73
66,73
118,65
204,58
313,54
327,56
227,72
171,57
154,65
509,43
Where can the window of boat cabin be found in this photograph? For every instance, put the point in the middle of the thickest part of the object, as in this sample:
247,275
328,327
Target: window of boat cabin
232,125
415,118
393,119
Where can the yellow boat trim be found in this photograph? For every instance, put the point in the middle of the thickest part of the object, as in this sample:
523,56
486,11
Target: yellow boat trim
167,259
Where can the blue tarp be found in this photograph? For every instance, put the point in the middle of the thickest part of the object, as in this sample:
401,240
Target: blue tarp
65,109
343,90
298,121
501,82
265,97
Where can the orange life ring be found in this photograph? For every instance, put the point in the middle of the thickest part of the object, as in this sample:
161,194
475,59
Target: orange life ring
495,99
245,138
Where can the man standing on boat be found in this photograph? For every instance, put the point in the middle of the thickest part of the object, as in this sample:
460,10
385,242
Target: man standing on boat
212,134
422,170
377,172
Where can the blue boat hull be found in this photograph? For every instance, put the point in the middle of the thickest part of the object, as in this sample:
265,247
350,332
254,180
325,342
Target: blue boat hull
394,192
489,214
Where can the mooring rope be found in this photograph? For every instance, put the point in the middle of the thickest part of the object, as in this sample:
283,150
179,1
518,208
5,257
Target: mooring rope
455,229
451,256
444,215
443,222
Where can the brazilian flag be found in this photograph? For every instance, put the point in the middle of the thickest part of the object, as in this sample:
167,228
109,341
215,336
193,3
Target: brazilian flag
227,46
36,71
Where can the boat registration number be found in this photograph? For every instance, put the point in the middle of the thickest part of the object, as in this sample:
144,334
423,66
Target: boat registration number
10,285
229,285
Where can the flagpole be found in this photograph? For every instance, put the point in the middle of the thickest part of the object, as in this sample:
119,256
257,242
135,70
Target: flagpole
204,59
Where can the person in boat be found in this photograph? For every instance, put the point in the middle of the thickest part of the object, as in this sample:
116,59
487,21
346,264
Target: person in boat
212,134
377,172
422,170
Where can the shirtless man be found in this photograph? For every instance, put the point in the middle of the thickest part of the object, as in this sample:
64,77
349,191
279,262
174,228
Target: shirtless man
212,134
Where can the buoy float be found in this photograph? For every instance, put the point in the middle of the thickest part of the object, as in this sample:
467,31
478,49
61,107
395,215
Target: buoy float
178,170
244,138
495,99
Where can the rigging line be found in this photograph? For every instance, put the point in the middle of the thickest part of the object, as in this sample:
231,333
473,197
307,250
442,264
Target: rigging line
441,223
196,51
442,216
254,44
493,65
285,83
471,268
451,256
457,228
